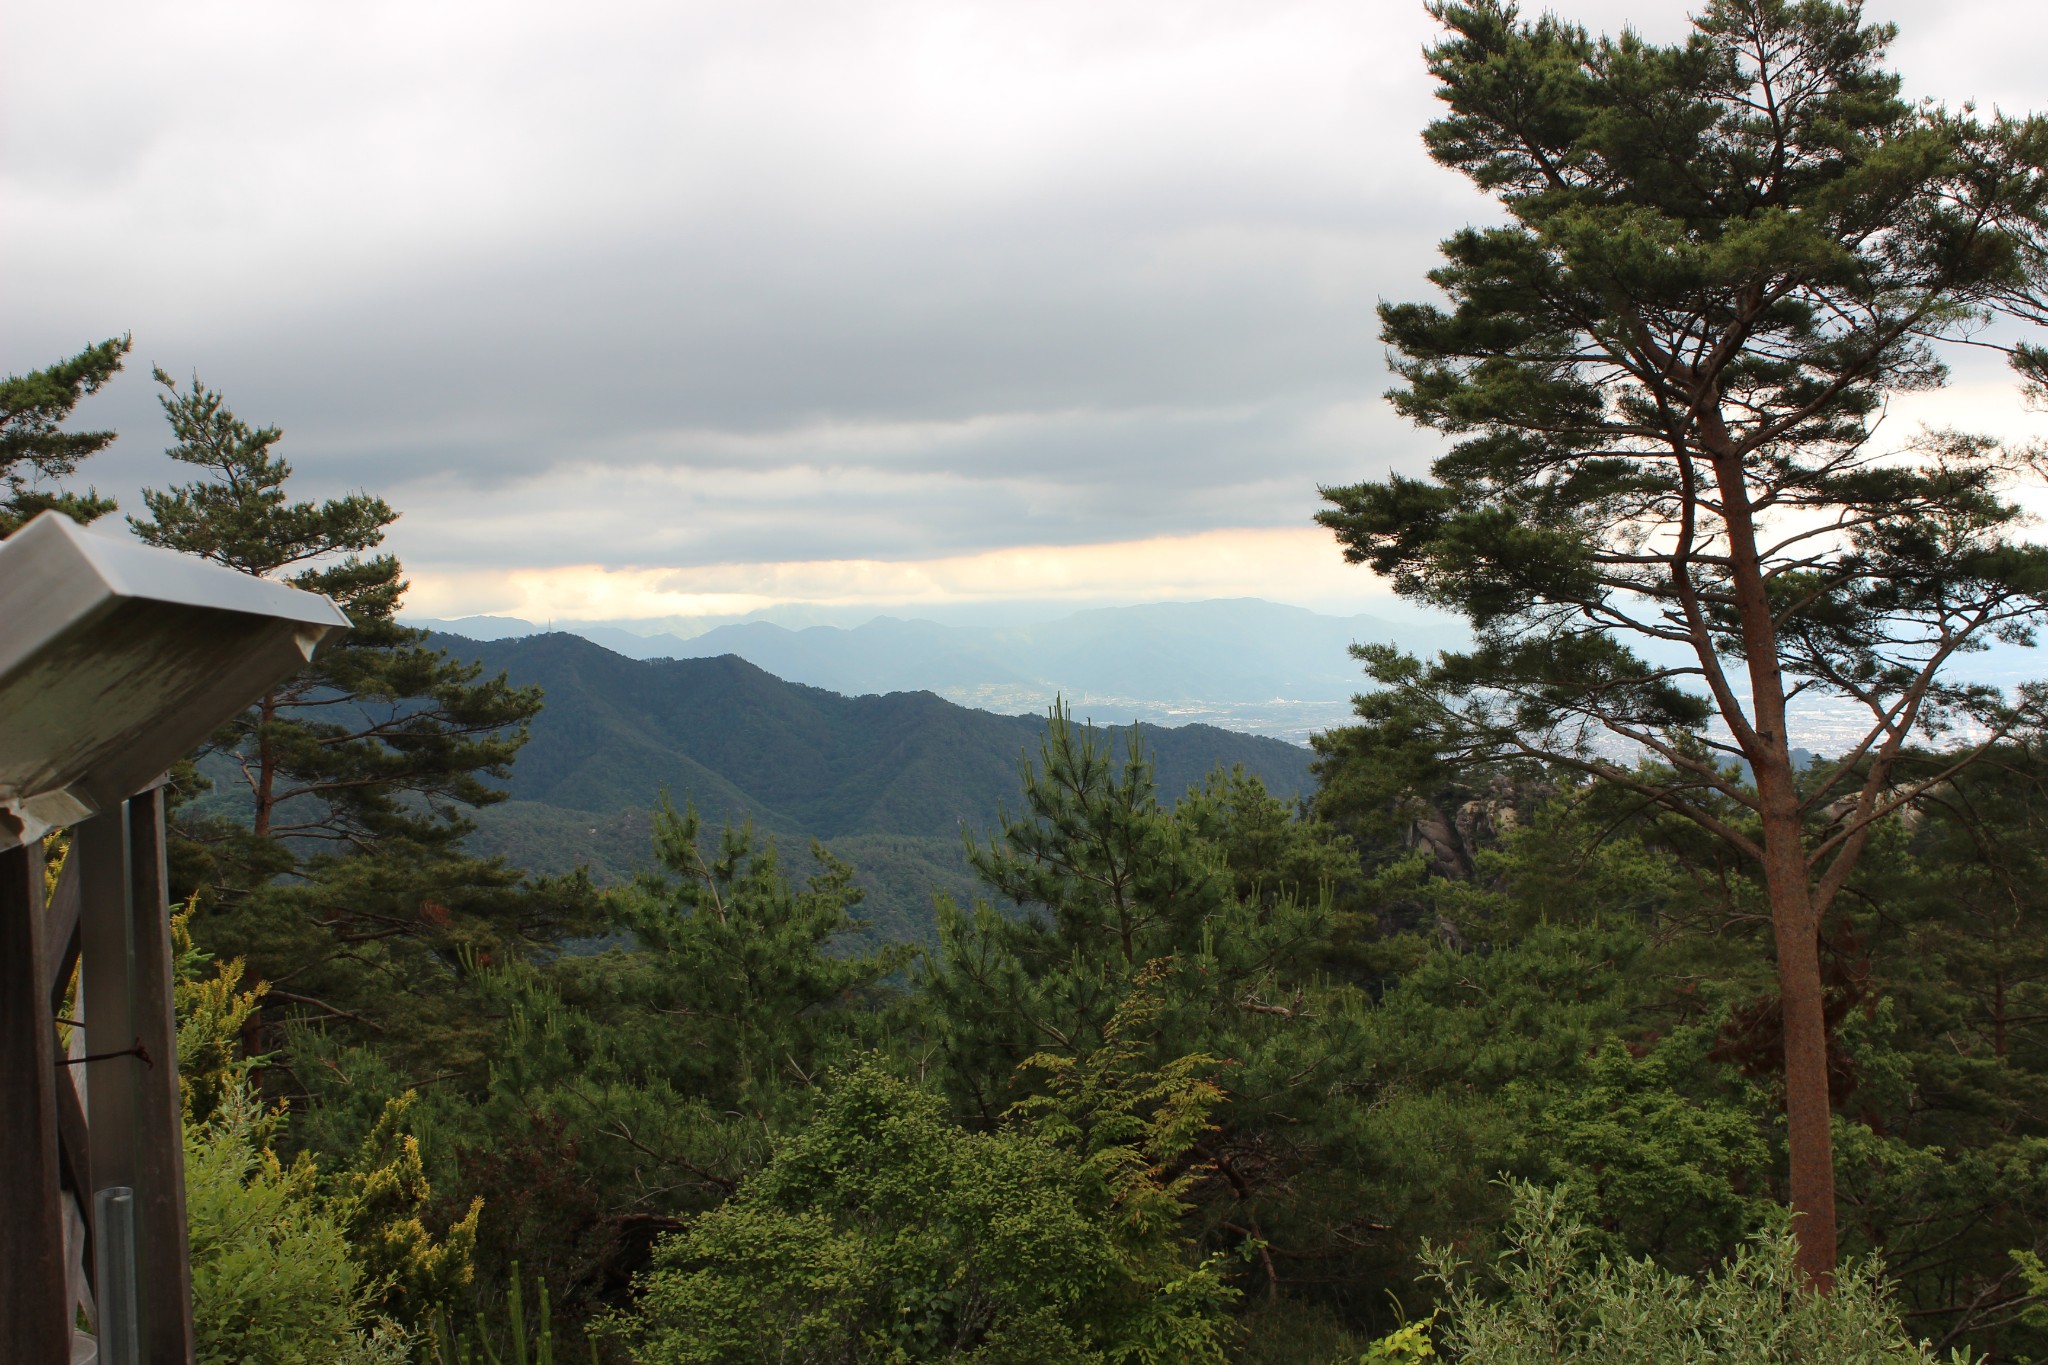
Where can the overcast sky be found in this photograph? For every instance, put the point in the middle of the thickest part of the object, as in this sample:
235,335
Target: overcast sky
658,310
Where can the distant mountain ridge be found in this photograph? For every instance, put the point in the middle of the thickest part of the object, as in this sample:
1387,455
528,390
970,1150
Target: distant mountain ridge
888,781
1245,663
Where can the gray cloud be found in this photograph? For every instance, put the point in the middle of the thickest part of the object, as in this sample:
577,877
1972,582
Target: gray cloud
661,284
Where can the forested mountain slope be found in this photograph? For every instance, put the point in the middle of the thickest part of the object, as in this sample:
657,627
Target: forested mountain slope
889,782
1235,659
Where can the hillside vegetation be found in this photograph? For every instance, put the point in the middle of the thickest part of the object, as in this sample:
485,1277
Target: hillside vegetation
1589,1009
888,783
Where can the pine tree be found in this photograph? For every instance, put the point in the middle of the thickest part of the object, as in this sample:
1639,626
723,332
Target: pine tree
34,452
1668,514
756,964
322,826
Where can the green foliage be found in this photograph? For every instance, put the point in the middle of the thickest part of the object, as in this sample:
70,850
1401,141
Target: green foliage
290,1265
882,1232
1574,1010
1109,880
1232,895
1273,856
1681,337
330,857
35,452
1611,1026
1666,1161
383,1203
898,874
1097,853
273,1278
379,738
242,517
733,947
1557,1301
629,1087
1666,512
212,1015
1479,1062
1136,1129
886,782
1402,1345
524,1345
1939,1061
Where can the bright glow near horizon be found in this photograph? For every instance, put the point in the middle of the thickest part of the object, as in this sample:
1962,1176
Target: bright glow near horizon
1298,566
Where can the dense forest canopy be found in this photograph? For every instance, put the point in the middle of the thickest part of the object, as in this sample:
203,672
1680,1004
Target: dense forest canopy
1506,1043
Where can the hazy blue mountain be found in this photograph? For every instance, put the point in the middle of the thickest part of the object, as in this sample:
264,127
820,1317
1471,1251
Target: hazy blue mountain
1243,650
885,655
889,781
477,627
1243,664
1239,651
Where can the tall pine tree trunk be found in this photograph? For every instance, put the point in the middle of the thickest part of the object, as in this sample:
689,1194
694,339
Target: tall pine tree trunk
266,767
1809,1135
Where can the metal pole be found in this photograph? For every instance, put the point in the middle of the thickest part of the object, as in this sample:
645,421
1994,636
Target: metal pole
114,1276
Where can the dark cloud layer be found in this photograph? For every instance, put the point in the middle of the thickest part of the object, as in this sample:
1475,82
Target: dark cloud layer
668,285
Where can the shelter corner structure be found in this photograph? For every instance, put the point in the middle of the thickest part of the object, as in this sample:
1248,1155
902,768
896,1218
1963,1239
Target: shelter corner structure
116,660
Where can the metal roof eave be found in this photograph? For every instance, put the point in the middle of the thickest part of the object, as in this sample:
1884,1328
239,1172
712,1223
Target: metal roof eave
117,659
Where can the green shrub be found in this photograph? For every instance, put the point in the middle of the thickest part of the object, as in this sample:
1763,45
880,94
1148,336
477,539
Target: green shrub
273,1280
1555,1301
885,1233
285,1267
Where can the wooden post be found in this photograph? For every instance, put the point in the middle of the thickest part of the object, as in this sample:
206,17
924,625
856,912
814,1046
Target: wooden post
61,948
164,1274
99,852
35,1326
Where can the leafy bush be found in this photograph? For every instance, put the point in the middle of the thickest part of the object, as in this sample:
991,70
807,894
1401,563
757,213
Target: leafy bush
382,1204
884,1232
1557,1303
273,1280
289,1266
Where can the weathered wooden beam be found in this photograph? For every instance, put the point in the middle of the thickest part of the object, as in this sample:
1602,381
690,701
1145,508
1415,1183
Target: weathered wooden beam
164,1274
74,1150
60,934
62,944
99,850
35,1319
